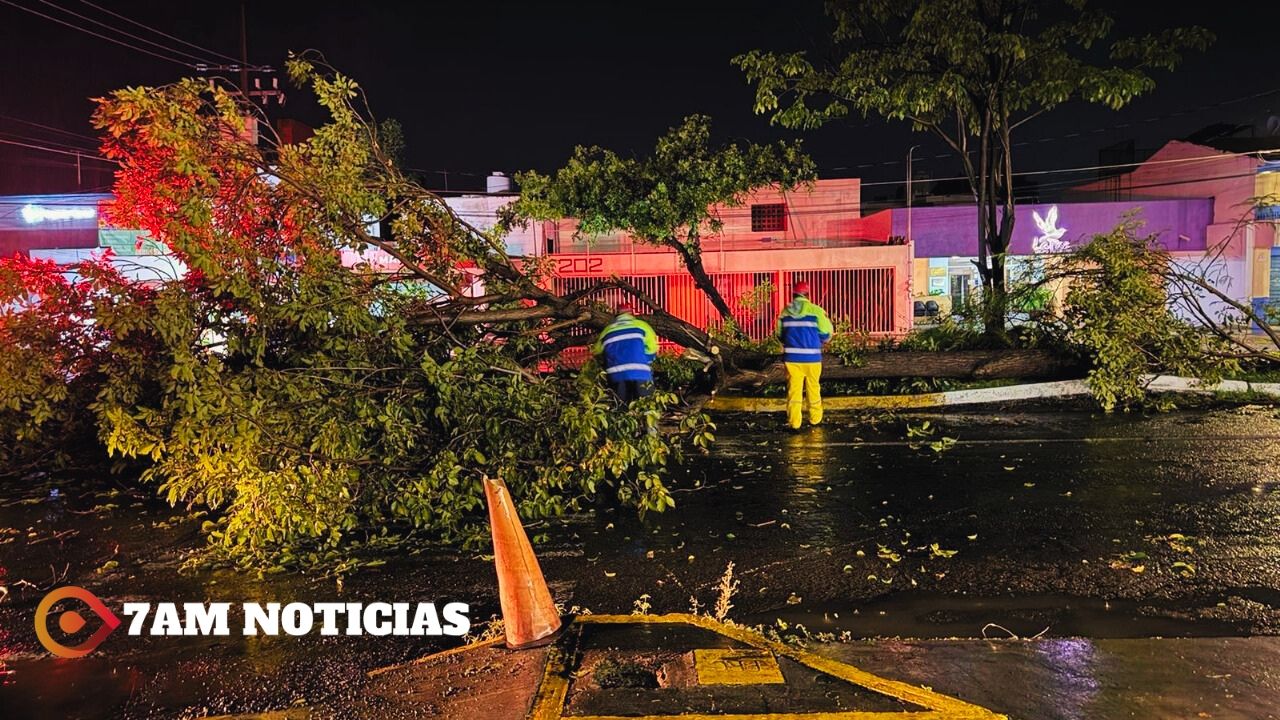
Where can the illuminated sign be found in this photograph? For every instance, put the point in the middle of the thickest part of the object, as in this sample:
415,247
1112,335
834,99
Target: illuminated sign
1050,238
33,214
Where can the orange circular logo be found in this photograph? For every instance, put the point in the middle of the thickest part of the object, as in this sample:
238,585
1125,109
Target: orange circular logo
72,621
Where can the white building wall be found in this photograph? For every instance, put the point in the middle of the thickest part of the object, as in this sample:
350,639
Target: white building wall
137,268
481,211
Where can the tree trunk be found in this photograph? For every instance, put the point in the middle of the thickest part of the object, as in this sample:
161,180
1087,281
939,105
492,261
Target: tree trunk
736,367
997,211
960,364
693,262
995,301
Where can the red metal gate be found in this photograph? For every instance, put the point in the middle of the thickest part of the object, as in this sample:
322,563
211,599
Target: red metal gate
864,297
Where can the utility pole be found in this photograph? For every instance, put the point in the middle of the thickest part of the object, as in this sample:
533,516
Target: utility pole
255,92
911,249
910,153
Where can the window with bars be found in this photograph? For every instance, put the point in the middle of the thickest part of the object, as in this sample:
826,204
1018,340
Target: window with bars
769,218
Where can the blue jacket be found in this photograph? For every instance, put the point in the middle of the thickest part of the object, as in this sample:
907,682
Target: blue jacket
803,328
628,347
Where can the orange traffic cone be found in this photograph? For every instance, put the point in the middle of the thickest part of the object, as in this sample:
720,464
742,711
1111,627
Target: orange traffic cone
528,614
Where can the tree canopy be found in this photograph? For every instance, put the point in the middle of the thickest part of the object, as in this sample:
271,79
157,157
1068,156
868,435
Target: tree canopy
970,72
667,198
1121,317
312,401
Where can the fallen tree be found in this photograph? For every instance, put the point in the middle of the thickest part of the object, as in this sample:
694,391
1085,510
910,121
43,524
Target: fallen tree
315,403
1133,311
954,364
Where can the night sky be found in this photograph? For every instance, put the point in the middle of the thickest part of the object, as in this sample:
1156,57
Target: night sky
483,86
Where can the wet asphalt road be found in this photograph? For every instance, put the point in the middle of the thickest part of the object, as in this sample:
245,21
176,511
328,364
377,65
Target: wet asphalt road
1102,526
1088,679
1061,523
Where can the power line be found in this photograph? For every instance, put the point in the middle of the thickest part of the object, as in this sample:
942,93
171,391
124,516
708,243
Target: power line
45,148
47,127
160,32
127,34
1086,168
1025,143
1121,188
122,43
51,143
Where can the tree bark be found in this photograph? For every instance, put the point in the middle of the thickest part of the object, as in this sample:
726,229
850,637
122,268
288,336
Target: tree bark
447,316
693,262
734,367
960,364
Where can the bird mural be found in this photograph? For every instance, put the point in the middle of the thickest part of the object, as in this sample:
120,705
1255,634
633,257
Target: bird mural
1050,238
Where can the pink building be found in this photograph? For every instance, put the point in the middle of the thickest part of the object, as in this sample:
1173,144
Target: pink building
1242,249
856,269
767,244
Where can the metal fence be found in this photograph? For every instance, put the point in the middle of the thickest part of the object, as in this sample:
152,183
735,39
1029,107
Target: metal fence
864,297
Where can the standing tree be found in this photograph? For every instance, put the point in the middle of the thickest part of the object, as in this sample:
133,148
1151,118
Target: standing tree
666,199
970,72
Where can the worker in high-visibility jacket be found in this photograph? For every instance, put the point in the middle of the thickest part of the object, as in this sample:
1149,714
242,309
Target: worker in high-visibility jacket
627,347
803,328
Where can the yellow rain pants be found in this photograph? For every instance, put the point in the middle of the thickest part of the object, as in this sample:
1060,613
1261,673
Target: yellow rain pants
800,375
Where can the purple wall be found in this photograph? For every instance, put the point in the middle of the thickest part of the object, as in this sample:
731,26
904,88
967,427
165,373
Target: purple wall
953,230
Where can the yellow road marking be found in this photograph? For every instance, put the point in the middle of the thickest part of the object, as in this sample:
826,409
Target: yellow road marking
737,667
549,702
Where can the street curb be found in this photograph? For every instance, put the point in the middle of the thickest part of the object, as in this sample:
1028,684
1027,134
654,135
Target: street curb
983,396
1172,383
549,702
